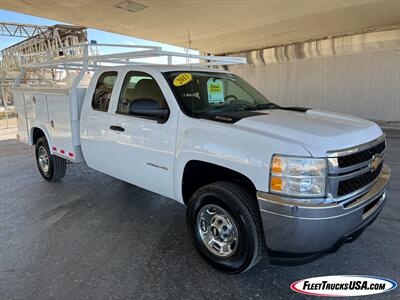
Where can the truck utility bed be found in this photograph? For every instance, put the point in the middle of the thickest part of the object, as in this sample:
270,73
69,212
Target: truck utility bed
56,112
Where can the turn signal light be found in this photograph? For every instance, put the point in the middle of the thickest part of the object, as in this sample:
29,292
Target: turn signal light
276,184
277,165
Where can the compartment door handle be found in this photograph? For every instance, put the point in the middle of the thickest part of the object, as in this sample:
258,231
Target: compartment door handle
117,128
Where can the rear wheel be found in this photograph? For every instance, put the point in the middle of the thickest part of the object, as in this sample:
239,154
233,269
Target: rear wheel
224,225
51,167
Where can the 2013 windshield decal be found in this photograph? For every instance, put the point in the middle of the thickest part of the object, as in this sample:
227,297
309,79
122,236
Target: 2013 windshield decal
343,286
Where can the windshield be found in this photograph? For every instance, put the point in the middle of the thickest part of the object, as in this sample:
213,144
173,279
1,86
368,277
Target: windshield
200,93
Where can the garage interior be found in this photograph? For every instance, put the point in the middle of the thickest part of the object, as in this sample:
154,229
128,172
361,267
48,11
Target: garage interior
89,236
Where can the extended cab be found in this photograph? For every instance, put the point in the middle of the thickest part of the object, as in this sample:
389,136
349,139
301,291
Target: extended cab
256,177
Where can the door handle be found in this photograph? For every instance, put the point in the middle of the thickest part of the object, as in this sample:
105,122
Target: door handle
117,128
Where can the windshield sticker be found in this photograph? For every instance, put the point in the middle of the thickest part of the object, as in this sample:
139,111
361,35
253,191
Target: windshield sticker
215,88
182,79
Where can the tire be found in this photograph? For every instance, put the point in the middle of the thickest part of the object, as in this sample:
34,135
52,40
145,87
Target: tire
232,207
56,166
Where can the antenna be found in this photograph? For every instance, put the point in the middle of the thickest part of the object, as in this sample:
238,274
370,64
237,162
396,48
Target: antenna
189,47
190,69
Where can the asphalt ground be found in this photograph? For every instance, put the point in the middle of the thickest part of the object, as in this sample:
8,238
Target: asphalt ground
94,237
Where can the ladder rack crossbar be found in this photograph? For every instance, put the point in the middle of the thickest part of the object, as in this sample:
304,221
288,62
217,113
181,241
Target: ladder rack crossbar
87,55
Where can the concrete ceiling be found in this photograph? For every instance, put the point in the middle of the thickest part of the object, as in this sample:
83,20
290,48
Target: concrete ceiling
218,26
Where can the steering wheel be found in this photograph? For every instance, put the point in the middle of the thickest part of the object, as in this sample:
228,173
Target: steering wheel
232,97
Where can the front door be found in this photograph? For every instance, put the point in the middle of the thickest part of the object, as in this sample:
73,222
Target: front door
142,149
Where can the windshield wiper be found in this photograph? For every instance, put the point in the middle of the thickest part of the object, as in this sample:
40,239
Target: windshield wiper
234,107
268,106
276,106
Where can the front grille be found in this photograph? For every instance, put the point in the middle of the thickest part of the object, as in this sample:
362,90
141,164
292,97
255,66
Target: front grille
353,184
359,157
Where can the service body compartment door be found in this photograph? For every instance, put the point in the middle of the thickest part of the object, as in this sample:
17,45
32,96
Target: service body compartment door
19,103
60,124
29,113
40,108
36,109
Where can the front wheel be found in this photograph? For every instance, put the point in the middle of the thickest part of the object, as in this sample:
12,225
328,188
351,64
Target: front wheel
224,225
51,167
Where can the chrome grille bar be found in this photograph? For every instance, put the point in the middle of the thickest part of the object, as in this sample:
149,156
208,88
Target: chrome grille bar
359,171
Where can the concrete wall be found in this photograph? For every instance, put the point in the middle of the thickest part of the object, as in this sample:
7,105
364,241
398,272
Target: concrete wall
357,75
365,85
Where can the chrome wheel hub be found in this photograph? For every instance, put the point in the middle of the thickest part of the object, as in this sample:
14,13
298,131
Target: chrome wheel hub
43,158
217,230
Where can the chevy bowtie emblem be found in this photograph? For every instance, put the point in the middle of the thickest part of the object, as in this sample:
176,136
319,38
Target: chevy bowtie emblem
375,162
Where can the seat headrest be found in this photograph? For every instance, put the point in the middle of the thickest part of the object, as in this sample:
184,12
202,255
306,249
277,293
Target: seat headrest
129,94
148,88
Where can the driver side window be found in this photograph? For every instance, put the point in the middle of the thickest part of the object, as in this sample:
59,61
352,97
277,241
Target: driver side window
139,86
103,91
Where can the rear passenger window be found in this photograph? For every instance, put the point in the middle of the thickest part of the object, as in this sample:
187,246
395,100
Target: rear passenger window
102,94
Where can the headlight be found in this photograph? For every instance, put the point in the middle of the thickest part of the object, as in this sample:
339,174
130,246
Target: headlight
298,176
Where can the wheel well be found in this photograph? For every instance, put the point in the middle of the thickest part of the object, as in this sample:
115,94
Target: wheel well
36,134
199,173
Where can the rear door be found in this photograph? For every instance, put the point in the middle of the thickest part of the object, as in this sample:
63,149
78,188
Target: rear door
142,150
95,119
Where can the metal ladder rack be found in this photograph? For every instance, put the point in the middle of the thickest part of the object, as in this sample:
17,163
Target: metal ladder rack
87,56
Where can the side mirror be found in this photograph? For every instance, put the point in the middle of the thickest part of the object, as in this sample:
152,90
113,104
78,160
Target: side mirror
148,108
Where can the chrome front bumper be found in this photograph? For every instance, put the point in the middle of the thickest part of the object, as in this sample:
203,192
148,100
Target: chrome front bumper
300,229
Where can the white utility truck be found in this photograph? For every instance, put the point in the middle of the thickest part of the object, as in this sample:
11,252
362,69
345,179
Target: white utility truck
257,178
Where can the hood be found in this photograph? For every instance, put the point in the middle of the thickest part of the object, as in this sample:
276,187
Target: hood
317,131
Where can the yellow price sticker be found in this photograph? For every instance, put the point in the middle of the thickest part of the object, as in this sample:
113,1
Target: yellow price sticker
182,79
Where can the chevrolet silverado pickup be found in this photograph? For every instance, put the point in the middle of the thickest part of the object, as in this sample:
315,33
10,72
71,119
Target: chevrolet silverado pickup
256,178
